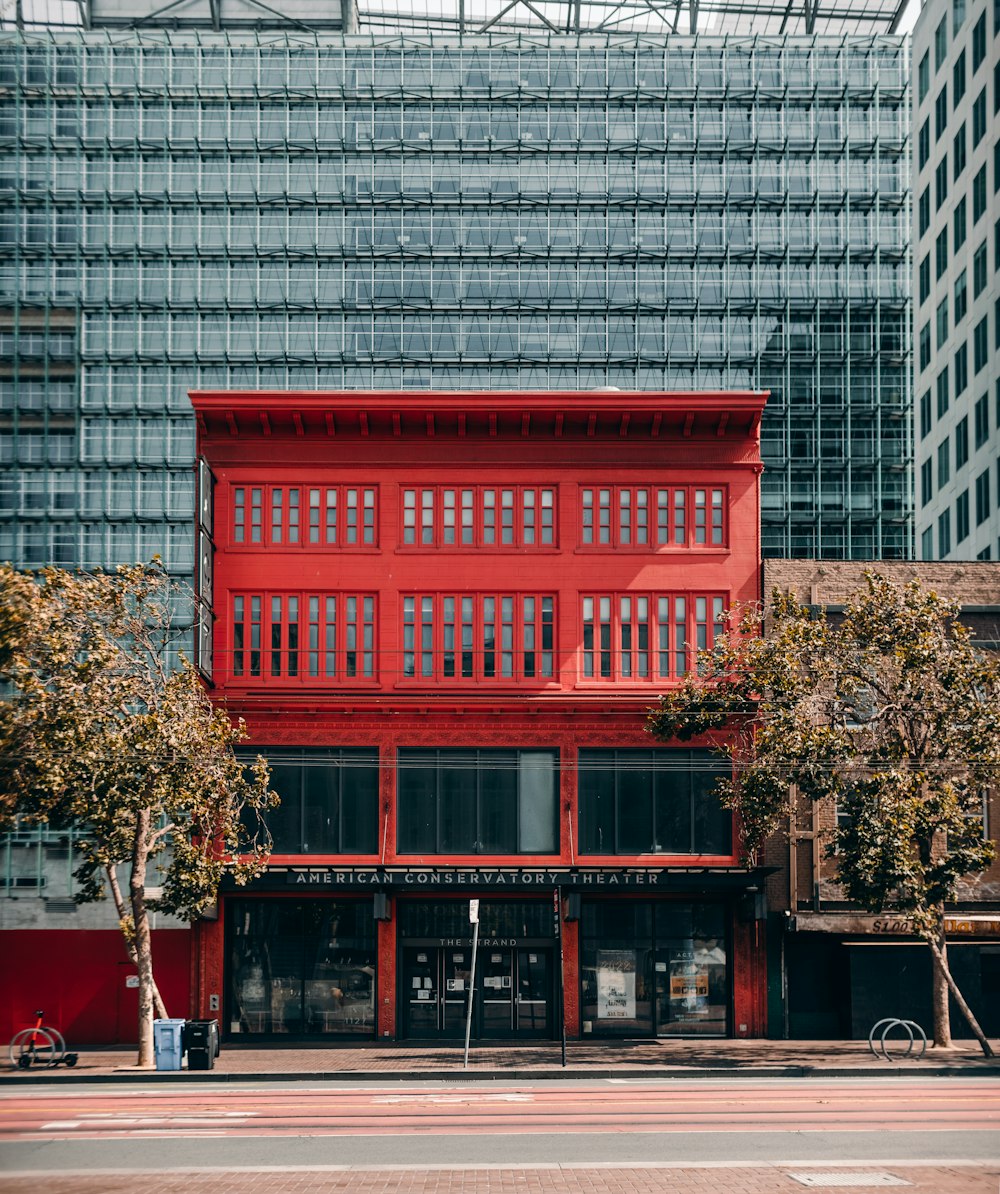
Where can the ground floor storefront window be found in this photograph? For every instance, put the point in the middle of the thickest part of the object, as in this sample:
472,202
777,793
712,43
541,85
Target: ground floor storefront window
301,967
654,968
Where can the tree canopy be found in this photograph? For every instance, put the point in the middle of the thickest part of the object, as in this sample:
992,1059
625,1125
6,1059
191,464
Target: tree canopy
890,711
108,727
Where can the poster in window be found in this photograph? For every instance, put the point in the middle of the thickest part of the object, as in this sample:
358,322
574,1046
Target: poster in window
688,987
615,984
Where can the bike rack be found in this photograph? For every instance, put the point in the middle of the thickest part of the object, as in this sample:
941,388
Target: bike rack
890,1024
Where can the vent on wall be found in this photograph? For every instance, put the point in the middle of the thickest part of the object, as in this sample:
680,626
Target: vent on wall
62,906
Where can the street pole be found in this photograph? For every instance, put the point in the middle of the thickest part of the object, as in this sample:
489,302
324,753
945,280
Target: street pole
474,917
560,1005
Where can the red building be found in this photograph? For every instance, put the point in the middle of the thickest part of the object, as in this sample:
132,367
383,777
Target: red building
442,616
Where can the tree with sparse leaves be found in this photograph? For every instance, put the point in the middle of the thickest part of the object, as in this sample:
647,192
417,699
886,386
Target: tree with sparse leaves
107,728
891,712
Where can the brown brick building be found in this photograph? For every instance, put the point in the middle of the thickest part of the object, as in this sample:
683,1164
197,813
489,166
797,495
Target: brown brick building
834,970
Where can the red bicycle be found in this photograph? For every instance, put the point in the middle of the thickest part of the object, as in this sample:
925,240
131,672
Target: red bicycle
42,1045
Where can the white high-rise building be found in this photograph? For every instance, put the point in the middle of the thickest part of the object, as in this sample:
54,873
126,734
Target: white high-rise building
956,237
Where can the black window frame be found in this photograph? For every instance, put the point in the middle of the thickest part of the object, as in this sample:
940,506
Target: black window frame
606,795
979,195
979,118
958,78
981,413
959,154
962,527
962,443
345,763
414,833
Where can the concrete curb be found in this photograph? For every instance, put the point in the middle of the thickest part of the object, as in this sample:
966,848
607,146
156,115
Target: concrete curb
517,1074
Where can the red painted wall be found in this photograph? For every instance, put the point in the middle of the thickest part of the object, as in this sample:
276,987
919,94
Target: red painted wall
78,978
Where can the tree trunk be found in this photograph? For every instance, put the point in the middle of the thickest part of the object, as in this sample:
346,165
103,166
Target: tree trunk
143,942
939,955
939,986
159,1007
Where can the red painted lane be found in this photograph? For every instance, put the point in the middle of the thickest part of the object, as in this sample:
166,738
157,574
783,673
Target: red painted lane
913,1107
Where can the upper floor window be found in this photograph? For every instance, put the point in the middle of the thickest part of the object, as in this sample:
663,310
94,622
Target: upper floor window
477,636
304,636
479,516
477,801
978,43
652,801
303,516
644,636
924,77
629,516
941,43
329,801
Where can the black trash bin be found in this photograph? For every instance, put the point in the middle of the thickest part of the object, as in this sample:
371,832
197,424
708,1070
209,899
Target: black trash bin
201,1041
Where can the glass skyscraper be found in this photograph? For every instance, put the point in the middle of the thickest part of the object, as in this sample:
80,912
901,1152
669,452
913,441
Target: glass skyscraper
300,209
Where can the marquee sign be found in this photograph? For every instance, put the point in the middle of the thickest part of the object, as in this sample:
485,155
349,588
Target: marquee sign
508,878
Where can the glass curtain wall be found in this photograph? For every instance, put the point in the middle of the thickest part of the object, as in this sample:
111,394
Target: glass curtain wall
530,212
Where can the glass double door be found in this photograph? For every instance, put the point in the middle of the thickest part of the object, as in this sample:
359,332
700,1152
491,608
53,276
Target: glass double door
513,992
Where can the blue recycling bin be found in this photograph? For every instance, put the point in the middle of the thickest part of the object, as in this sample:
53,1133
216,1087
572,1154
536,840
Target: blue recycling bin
168,1043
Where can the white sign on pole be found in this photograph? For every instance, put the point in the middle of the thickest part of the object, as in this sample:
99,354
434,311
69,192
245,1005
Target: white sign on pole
473,912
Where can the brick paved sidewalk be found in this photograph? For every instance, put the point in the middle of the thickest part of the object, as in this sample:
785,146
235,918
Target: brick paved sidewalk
555,1179
677,1058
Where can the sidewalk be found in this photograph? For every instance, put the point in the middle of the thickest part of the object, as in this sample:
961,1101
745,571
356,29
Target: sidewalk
584,1059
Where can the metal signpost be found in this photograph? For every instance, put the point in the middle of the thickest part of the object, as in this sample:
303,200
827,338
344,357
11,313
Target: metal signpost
560,1009
474,921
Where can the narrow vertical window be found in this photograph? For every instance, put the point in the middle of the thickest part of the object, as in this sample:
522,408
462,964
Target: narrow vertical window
700,516
427,516
255,640
275,636
588,636
663,633
641,516
717,516
448,517
507,636
547,636
701,622
239,631
507,517
351,645
331,516
239,516
663,516
642,637
293,516
277,515
314,511
680,518
489,517
256,515
718,621
368,643
313,645
427,636
588,516
625,614
330,637
409,516
625,517
604,500
529,515
548,517
680,636
529,632
489,636
409,636
468,636
352,517
292,636
369,516
448,639
605,628
468,517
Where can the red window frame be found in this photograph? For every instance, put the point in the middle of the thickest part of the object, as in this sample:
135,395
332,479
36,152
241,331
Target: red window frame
653,517
304,638
465,517
316,517
644,638
458,638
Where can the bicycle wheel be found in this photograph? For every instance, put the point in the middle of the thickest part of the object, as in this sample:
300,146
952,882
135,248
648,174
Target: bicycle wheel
33,1046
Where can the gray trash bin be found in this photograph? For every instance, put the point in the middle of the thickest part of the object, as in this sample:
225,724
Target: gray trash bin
201,1040
168,1043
